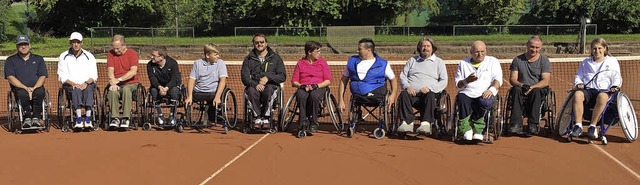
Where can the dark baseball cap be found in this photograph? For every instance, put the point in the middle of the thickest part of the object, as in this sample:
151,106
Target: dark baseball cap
22,39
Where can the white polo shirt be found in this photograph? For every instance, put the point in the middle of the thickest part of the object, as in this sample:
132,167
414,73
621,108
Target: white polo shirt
488,71
77,69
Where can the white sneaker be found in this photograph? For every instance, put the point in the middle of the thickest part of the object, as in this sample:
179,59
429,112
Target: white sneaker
114,122
265,121
160,120
79,123
425,127
125,124
87,123
478,137
257,121
468,135
404,127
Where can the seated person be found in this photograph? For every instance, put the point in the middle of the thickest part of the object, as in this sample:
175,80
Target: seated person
122,70
165,80
262,72
530,76
26,73
597,78
422,77
311,76
78,72
207,80
478,79
367,72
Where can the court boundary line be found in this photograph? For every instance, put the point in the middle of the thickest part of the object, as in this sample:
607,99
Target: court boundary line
233,160
618,161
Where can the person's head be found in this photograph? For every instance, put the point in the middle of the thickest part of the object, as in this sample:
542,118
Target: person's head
312,50
478,51
366,48
75,40
599,48
158,54
118,44
534,45
426,47
23,44
211,53
259,42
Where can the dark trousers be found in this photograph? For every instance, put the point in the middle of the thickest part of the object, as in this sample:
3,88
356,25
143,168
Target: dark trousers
424,103
526,105
473,106
309,103
261,101
81,98
207,98
31,108
173,94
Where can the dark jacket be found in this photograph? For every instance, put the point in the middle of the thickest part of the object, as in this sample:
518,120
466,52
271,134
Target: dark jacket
272,68
169,76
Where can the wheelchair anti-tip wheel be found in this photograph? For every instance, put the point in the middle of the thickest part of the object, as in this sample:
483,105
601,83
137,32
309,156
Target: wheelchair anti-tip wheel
378,133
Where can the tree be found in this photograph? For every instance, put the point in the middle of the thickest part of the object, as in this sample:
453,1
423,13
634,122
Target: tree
5,7
491,12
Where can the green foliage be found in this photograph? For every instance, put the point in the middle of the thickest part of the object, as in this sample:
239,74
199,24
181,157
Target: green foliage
490,12
5,8
612,16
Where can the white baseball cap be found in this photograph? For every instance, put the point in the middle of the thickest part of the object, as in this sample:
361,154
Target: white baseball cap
75,36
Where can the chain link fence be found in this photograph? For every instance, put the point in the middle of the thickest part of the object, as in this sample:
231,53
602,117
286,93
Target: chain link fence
157,35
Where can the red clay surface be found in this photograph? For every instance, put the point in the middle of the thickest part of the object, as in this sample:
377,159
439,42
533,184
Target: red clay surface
167,157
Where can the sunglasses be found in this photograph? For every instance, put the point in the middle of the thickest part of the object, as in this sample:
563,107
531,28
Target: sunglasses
259,42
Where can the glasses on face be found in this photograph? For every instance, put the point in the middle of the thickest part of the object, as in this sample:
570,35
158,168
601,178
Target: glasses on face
259,42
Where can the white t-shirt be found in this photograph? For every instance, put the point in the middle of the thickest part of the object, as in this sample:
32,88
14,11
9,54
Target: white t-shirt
488,71
363,68
609,73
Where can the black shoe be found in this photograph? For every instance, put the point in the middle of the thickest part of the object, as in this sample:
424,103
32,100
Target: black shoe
592,132
314,127
515,129
534,128
576,131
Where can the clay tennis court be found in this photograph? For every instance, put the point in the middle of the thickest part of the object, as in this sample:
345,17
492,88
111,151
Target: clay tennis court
167,157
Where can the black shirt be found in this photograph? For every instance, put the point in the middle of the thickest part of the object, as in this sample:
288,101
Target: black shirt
168,76
27,72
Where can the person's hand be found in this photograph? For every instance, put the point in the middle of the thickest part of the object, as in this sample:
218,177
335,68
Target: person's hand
216,101
487,94
30,95
526,89
264,80
342,106
114,81
390,102
260,87
163,93
614,89
165,89
471,78
424,90
580,86
411,91
82,86
114,88
188,101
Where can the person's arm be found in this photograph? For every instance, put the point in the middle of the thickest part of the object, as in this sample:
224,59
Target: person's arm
280,75
341,90
133,70
577,80
459,79
245,74
544,82
42,73
404,80
513,78
190,85
295,77
326,75
221,85
442,77
617,76
93,75
175,76
16,83
153,79
62,71
497,77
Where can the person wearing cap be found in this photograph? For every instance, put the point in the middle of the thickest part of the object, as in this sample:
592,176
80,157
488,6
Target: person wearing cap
478,79
122,70
78,72
26,73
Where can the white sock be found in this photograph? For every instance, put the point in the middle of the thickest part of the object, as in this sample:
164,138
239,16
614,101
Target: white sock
79,112
592,125
89,113
579,124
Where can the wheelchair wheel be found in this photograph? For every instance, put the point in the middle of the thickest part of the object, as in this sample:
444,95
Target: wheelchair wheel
628,118
301,134
97,105
179,128
508,105
443,122
61,110
454,122
565,116
496,120
379,133
46,113
146,126
230,109
335,113
138,115
13,114
551,126
290,111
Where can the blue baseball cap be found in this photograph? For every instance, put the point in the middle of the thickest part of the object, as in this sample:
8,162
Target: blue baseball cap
22,39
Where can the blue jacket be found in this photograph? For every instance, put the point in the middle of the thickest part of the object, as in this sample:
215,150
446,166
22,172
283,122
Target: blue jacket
374,78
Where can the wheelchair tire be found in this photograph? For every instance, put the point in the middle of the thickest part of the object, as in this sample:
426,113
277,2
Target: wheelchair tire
290,111
230,109
146,126
335,113
379,133
301,134
180,128
565,115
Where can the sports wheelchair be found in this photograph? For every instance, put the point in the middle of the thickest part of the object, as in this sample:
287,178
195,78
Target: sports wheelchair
359,102
137,107
226,112
276,111
150,118
15,119
65,110
547,113
439,128
328,107
492,120
618,109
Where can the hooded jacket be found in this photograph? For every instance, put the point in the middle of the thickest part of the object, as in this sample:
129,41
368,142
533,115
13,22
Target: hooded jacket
272,67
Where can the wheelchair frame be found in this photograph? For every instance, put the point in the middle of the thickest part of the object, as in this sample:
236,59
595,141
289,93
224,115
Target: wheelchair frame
438,129
291,110
222,113
492,120
548,108
137,109
15,119
276,108
65,122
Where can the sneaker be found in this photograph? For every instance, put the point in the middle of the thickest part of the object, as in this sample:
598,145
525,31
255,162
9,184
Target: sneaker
173,120
257,123
35,122
425,127
26,123
468,135
404,127
515,129
314,127
478,137
160,120
593,132
265,123
125,123
114,122
79,123
576,131
534,128
87,122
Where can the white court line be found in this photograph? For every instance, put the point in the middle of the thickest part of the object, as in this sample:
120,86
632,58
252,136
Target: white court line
233,160
617,161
